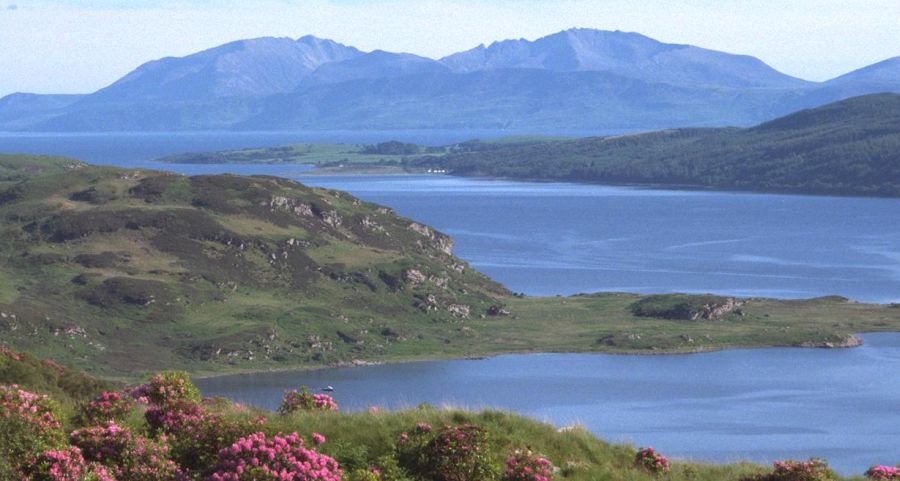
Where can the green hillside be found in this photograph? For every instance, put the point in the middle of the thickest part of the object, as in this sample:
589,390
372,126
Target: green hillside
140,269
849,147
120,272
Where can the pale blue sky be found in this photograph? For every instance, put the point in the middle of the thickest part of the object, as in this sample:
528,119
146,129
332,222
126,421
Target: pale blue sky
80,45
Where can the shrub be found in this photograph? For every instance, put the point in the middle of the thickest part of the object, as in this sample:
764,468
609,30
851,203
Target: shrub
66,465
129,457
297,400
29,423
811,470
108,406
168,387
454,453
525,466
258,458
883,472
173,416
197,440
651,461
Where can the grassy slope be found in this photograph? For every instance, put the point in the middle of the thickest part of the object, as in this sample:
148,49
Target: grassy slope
66,385
849,147
122,272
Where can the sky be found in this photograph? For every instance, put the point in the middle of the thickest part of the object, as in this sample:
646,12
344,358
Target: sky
79,46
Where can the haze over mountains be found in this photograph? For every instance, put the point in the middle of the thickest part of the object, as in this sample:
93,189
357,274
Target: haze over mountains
580,79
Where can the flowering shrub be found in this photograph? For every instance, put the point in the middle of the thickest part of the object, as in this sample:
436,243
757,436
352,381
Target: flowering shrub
525,466
66,465
29,423
317,439
174,416
812,470
197,441
108,406
257,458
167,387
883,472
455,453
651,461
295,400
128,456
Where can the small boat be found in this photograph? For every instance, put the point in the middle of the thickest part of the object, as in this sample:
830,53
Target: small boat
328,389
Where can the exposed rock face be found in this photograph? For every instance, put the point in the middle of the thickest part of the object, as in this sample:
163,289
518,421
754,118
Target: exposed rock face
440,241
716,310
414,276
686,307
848,341
332,218
459,310
291,205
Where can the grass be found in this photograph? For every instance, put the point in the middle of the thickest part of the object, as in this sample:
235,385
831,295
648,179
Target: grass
358,439
310,154
164,271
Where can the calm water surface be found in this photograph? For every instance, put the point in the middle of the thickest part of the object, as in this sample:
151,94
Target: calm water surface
763,404
556,238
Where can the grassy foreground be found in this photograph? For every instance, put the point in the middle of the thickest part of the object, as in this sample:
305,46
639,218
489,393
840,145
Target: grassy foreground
163,431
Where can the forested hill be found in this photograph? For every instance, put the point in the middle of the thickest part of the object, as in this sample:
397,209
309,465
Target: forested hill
850,147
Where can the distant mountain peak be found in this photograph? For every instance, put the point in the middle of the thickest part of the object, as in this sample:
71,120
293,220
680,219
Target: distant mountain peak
253,67
628,54
887,71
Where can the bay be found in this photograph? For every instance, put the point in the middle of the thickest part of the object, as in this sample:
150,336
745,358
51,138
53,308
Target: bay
759,404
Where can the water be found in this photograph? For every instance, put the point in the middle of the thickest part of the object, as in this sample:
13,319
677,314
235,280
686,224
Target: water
129,147
557,238
761,405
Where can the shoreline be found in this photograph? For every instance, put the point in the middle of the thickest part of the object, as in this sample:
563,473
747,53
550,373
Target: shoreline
359,363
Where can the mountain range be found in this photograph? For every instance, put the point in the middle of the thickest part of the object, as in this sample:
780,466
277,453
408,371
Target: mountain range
579,79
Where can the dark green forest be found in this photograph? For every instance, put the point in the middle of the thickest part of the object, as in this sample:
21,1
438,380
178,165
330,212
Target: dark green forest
848,148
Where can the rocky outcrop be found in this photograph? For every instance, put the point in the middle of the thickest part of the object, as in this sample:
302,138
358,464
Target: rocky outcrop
440,241
459,310
291,205
414,276
715,310
845,342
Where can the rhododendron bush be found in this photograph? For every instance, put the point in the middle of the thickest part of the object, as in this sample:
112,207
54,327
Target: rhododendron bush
29,423
65,465
883,472
453,453
650,460
128,456
811,470
302,400
108,406
282,458
525,466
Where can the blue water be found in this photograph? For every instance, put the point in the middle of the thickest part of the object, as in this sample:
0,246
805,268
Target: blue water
761,405
553,238
557,238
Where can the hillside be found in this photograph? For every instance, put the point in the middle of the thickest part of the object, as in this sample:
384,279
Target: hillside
138,270
849,147
574,80
121,272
